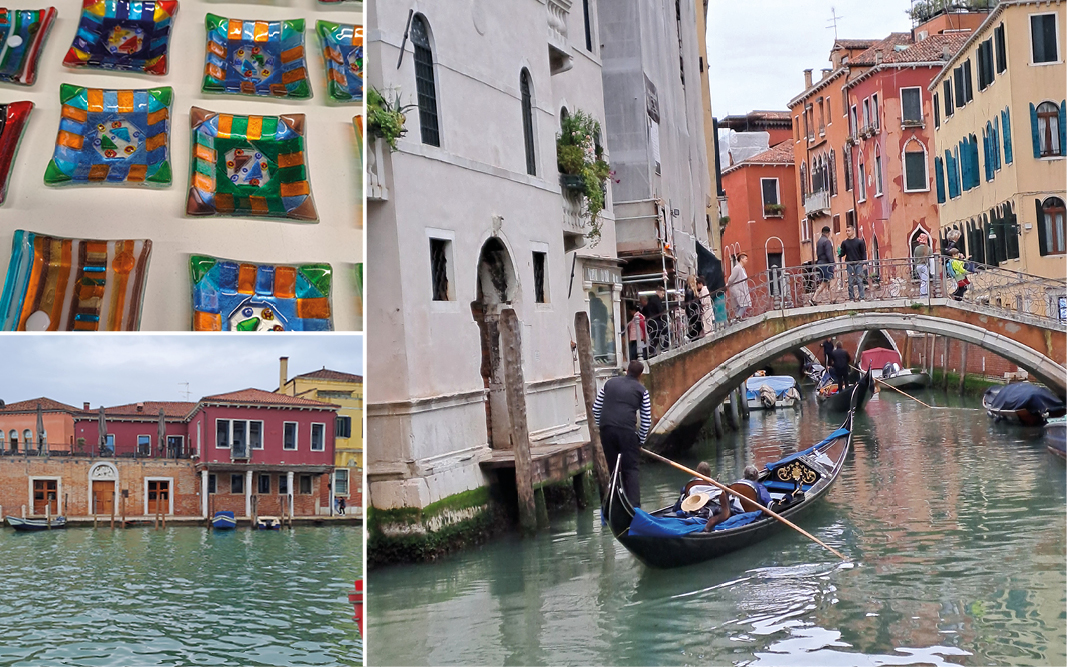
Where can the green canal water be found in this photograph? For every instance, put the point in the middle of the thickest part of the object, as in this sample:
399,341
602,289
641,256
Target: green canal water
180,596
956,527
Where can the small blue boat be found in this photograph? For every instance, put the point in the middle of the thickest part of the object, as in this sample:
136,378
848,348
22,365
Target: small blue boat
224,521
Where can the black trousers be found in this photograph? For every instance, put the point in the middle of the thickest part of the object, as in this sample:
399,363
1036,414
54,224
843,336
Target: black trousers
623,441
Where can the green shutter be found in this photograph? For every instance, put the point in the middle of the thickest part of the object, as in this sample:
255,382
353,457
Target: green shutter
1033,130
1042,238
939,178
1063,129
1005,121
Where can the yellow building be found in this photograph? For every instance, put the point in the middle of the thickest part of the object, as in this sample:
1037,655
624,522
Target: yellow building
1000,165
346,390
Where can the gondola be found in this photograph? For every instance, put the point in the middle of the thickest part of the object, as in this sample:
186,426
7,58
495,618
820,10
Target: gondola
1022,403
833,400
26,525
1055,436
224,520
814,469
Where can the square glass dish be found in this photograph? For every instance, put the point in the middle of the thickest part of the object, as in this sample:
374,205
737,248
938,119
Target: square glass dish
125,35
113,137
13,119
244,296
249,166
264,58
342,49
22,35
60,284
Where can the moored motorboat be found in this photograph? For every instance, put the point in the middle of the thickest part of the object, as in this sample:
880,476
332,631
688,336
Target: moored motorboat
1055,436
268,523
224,520
662,539
767,392
885,365
830,397
1022,403
27,525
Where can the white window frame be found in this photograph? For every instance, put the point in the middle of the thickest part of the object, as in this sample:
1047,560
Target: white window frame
179,437
777,194
170,493
311,441
229,433
874,112
142,435
805,229
922,114
261,433
259,476
299,481
926,165
199,434
451,303
862,182
1030,31
543,248
878,185
854,121
348,482
296,437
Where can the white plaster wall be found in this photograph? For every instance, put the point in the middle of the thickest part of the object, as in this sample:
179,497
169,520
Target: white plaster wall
131,212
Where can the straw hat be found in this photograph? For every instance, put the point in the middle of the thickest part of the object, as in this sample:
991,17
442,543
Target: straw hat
695,502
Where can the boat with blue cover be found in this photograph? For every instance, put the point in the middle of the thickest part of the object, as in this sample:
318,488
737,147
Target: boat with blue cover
224,520
663,539
767,392
1022,403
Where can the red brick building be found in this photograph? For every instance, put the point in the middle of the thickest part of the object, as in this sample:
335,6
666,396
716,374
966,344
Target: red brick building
764,214
18,426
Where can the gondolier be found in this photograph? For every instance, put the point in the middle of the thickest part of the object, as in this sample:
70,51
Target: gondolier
615,411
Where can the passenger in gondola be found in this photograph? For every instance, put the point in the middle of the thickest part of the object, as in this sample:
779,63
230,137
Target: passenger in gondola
696,485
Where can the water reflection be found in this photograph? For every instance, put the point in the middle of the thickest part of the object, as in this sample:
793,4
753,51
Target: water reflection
955,527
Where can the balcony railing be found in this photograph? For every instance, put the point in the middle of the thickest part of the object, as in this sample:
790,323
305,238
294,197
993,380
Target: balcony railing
376,186
559,49
817,203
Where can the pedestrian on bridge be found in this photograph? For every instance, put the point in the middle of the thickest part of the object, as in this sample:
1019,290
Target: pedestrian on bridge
615,410
854,250
737,287
921,254
824,262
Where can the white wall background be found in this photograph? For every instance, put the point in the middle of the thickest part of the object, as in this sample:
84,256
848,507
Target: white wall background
133,212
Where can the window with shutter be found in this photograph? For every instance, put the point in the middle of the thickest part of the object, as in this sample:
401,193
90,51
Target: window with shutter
770,191
1002,52
1048,130
1043,38
1051,222
527,121
915,179
937,112
946,87
939,178
911,106
957,82
1005,123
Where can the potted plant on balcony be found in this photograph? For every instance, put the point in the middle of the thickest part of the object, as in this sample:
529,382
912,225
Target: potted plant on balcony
583,170
385,118
773,210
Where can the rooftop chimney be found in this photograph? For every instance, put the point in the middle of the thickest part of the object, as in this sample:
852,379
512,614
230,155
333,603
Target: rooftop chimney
140,407
283,371
878,57
825,73
807,79
85,406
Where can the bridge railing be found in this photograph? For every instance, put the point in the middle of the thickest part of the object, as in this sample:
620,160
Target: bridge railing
992,289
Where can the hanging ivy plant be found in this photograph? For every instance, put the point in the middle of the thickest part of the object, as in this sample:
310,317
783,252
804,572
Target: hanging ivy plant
385,118
582,165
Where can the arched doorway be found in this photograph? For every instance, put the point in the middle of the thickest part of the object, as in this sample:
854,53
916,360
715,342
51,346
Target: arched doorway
103,478
497,289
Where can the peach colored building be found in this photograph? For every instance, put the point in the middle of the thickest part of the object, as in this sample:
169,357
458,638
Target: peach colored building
18,426
755,189
1001,140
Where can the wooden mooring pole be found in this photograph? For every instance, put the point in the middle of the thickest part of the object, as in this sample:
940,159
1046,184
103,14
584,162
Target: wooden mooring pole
585,363
515,391
963,364
944,363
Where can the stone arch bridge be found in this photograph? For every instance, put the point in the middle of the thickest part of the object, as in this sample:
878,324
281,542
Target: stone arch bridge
688,382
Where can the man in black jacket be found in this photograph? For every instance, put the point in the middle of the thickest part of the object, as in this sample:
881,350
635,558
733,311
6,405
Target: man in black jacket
615,411
840,361
854,251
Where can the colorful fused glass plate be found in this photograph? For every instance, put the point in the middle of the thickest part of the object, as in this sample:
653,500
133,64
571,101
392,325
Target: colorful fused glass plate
242,296
58,284
13,119
129,35
342,47
249,166
112,136
263,58
22,35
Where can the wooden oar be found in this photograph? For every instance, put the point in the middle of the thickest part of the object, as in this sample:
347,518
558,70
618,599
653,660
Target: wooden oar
739,496
932,407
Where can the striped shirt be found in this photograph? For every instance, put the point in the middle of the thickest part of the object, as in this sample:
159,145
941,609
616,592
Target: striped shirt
619,402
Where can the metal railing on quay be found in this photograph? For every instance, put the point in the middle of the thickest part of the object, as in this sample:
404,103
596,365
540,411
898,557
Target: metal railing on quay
989,289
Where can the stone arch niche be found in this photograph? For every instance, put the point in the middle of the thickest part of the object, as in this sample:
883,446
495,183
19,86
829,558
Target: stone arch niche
102,490
497,289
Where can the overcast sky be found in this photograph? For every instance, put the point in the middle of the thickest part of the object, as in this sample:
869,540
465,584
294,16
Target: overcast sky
117,369
758,49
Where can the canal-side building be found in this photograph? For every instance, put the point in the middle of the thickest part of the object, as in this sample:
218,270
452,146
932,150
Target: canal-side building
1000,141
133,430
764,215
655,122
257,450
715,194
18,426
889,149
346,391
468,217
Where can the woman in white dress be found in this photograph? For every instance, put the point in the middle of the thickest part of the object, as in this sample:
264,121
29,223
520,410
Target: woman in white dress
707,315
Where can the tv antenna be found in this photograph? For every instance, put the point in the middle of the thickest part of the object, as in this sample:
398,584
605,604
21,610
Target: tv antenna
833,21
186,392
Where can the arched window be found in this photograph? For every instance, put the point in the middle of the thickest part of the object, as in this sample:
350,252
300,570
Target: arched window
527,121
14,440
27,438
424,81
1050,225
877,170
915,176
1048,129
